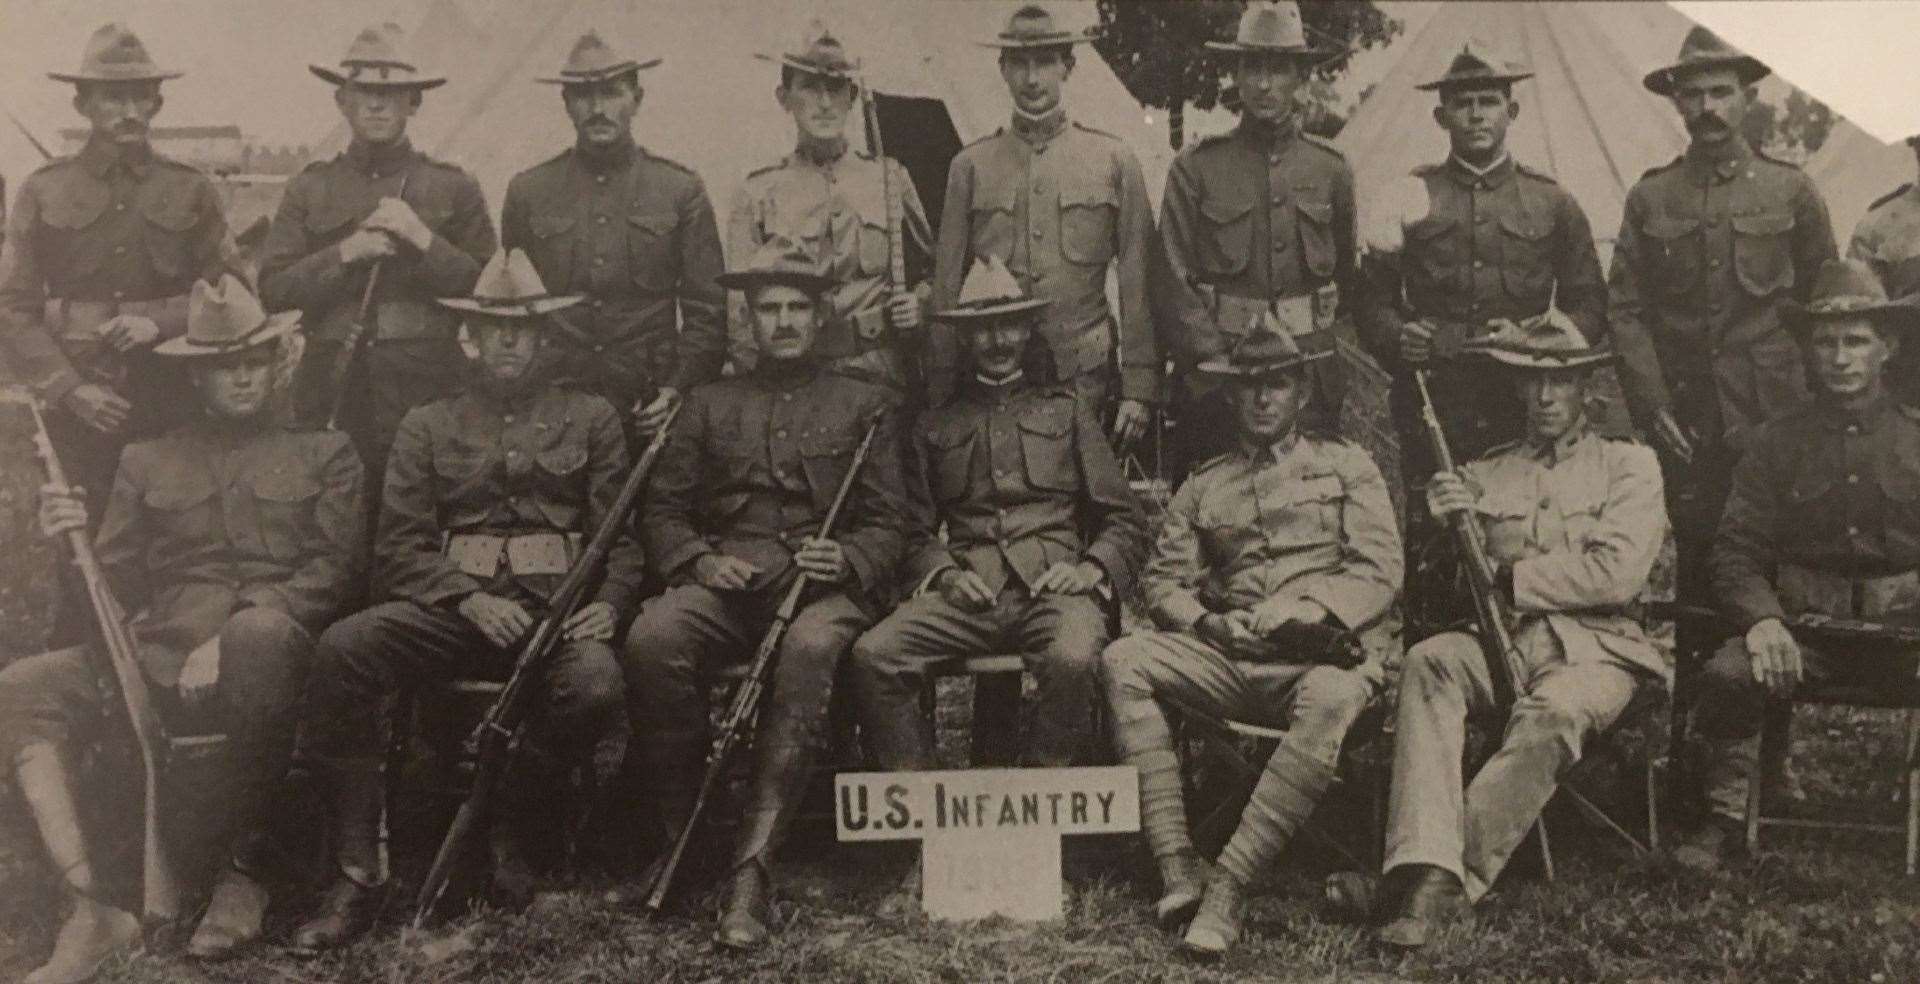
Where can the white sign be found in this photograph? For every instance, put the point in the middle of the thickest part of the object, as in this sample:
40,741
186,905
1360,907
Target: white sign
990,838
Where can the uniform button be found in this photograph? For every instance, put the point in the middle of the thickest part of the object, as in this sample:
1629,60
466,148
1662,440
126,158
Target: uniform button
600,219
1478,264
119,249
596,302
1714,263
1853,531
119,294
1036,234
786,396
513,454
1853,480
599,261
1480,219
119,206
1712,220
599,348
1853,428
781,434
1277,200
601,178
508,418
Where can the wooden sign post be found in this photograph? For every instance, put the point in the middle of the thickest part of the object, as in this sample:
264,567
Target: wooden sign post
989,838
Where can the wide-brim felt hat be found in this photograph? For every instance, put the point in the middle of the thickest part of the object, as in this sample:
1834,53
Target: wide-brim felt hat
592,59
1849,289
374,59
509,287
1033,27
225,318
1268,349
780,261
1273,29
819,53
115,54
990,291
1549,341
1476,65
1702,50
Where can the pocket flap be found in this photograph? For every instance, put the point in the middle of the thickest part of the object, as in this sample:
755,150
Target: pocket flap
563,460
174,215
1669,227
1318,213
179,492
1763,224
1047,424
657,223
1222,211
285,485
1088,193
1525,227
1313,488
549,224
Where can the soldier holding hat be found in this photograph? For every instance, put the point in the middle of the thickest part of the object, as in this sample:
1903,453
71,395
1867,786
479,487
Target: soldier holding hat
233,542
1820,521
1058,203
632,232
1572,523
489,496
1292,529
106,245
378,205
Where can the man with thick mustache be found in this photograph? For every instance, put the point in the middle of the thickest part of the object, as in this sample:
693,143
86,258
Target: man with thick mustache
106,244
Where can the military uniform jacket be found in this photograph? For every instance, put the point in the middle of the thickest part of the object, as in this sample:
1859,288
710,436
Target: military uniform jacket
1250,216
1888,239
1024,479
212,518
93,237
1707,250
753,465
300,265
1308,518
1824,489
838,208
1579,524
1058,202
636,234
1509,243
550,461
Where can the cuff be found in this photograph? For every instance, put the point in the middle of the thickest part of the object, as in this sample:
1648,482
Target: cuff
54,389
1182,612
674,560
926,583
265,596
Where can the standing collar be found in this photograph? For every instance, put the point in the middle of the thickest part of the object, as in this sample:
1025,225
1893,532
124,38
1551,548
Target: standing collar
377,158
1268,137
1039,129
1001,385
603,160
1272,453
1866,417
100,156
1493,174
1722,160
1561,449
820,155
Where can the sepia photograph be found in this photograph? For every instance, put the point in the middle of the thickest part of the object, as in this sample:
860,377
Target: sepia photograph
1055,491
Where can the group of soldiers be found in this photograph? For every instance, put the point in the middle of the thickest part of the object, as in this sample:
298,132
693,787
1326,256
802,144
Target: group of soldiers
371,472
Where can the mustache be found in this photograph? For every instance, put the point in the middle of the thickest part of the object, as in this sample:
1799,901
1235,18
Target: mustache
1706,122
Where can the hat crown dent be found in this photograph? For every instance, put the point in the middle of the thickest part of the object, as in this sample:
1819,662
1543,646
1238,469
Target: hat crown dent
1544,335
223,315
1272,25
509,277
1030,22
114,53
783,256
989,282
378,45
1844,286
1702,42
593,59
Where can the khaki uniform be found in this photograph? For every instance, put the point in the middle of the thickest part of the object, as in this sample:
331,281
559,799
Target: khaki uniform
636,234
413,355
838,209
1888,239
1579,524
1058,203
1023,479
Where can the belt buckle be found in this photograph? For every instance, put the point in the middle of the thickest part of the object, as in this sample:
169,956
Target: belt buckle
537,553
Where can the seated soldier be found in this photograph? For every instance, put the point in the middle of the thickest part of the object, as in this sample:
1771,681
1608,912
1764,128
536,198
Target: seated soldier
1294,531
1041,526
233,542
1572,523
732,517
1819,521
489,497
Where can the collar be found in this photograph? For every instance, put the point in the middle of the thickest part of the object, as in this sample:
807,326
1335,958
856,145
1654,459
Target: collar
776,374
1003,384
375,159
1493,175
1272,138
101,156
602,160
820,155
1039,129
1561,449
1863,419
518,399
1272,453
1722,160
227,431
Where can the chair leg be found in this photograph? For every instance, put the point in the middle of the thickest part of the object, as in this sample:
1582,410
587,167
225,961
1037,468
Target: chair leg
1753,796
1653,801
1546,849
1913,790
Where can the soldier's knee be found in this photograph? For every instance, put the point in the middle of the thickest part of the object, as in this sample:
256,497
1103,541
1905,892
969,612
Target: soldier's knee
1440,661
877,653
592,682
1538,718
264,630
1728,702
1123,668
1335,691
816,646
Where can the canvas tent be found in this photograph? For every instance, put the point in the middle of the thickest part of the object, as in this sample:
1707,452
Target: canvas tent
1853,169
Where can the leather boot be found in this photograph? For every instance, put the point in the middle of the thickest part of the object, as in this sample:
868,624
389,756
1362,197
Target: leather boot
232,919
1216,927
1434,899
95,931
746,920
1182,882
1703,848
532,795
353,900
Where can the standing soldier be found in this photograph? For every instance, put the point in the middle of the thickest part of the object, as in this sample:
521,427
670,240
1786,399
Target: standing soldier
635,234
232,542
383,213
837,202
1888,240
106,244
1464,245
488,498
731,519
1260,219
1058,203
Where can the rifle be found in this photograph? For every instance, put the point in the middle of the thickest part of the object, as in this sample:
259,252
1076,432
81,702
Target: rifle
160,888
1492,616
1814,625
498,735
745,709
896,253
353,350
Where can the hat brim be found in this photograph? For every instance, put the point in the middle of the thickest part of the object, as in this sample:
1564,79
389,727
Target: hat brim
1533,358
1661,81
154,76
1056,40
271,329
1304,54
584,78
994,309
1900,315
812,283
531,307
336,77
1473,81
1224,369
849,72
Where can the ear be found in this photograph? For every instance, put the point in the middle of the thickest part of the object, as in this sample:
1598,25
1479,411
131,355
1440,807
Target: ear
340,97
1440,114
780,96
1513,109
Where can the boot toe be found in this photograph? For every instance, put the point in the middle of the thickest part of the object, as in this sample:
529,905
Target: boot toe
1404,933
1176,906
85,944
1206,940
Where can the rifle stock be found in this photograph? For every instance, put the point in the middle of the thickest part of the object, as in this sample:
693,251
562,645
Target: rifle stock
354,351
744,710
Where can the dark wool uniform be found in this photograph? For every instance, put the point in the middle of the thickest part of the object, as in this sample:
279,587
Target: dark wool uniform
753,465
94,236
1057,202
635,233
1888,239
413,355
1022,479
248,533
1258,215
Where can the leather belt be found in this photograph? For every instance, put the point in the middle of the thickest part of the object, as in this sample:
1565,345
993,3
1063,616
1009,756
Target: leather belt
1314,310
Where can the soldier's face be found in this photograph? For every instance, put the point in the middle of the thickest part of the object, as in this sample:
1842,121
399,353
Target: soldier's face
1267,407
1267,83
998,345
602,112
1034,77
376,115
818,104
1712,103
120,111
1476,120
1849,355
1555,400
507,349
785,320
236,386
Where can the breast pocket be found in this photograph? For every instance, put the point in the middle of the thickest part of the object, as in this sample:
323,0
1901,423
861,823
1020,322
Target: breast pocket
990,221
1437,251
560,477
1898,476
1318,248
1762,256
871,248
825,459
285,499
1089,211
1226,237
181,508
1673,251
1046,444
650,250
552,247
1508,521
1310,512
950,461
1526,257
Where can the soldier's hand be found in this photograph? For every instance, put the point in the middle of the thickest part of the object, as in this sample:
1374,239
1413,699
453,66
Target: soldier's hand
1231,633
1416,342
963,589
62,509
1448,493
1131,421
594,623
903,310
365,246
98,407
397,218
652,416
1275,612
1069,578
1672,437
1775,656
200,673
723,573
501,620
826,560
126,332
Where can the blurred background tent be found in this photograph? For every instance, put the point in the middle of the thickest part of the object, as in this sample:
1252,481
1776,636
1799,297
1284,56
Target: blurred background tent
1853,169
